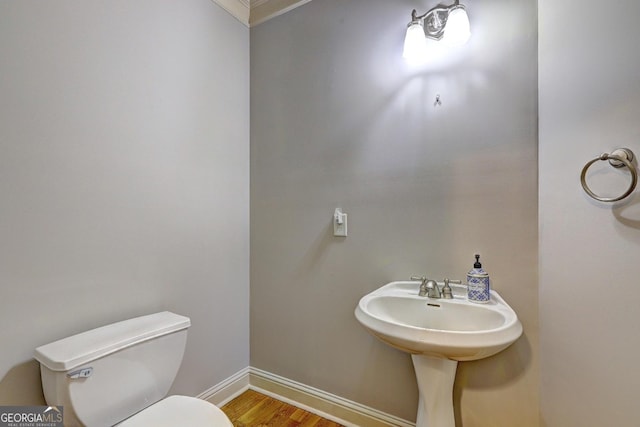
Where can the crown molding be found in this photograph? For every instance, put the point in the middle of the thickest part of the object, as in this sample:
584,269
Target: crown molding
254,12
263,10
239,9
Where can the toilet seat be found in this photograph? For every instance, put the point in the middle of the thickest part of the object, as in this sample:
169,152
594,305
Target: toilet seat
179,411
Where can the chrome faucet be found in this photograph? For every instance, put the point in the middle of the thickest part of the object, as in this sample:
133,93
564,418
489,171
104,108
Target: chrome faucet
433,291
430,288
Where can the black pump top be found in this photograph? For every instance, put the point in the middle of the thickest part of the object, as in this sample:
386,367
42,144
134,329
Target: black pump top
477,263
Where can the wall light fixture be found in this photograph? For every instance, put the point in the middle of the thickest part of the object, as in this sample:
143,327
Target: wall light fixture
450,24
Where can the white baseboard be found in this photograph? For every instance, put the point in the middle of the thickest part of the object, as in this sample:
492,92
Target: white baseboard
228,389
327,405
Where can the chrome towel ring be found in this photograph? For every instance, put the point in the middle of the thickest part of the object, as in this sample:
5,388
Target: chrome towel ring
618,158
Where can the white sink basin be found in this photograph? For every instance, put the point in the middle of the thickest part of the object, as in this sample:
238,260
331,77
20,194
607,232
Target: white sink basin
455,329
438,333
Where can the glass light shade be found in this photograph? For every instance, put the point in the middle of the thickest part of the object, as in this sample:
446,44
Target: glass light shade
415,43
457,30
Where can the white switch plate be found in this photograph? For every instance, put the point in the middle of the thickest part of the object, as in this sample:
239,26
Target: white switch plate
339,223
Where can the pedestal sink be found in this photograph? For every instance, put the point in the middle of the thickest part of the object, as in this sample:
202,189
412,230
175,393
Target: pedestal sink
437,333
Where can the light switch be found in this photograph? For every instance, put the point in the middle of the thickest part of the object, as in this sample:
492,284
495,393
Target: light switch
339,223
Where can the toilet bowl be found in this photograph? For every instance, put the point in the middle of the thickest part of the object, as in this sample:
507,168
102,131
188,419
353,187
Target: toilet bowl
119,374
179,411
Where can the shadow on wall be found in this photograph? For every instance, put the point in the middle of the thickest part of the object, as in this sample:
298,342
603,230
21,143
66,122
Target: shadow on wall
22,385
317,253
503,368
627,213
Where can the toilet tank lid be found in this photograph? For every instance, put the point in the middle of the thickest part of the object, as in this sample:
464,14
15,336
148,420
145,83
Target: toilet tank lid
77,350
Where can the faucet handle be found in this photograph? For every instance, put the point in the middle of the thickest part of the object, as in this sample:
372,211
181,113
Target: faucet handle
447,293
423,285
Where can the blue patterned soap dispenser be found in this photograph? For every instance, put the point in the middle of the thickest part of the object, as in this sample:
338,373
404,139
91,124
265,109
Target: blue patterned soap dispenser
478,283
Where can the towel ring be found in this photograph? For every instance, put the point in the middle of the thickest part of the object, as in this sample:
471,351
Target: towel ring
618,158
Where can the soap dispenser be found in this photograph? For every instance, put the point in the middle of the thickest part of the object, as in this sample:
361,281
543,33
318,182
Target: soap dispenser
478,283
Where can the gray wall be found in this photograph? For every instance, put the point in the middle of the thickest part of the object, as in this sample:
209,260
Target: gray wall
589,251
124,178
339,120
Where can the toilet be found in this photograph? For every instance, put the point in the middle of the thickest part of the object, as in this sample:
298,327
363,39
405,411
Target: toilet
119,374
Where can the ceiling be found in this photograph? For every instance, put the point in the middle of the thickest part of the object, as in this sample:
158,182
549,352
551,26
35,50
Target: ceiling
254,12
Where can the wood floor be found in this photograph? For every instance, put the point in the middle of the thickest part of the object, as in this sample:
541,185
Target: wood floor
253,409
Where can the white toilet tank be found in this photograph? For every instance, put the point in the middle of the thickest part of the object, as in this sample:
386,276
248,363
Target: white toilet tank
107,374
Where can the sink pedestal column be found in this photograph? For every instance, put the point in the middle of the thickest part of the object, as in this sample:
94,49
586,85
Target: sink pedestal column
435,382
